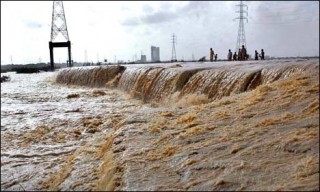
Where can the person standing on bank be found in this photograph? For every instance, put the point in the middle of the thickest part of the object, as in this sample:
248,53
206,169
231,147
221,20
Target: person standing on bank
229,55
216,57
256,54
211,54
235,56
262,54
243,53
239,55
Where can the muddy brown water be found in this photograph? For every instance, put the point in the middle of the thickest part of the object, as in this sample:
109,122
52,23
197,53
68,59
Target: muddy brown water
193,126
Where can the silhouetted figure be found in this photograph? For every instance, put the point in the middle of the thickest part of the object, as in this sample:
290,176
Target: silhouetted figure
216,57
262,54
202,59
239,55
244,53
229,55
211,54
235,56
256,54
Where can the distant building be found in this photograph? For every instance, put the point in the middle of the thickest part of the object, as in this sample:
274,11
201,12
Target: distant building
155,54
143,58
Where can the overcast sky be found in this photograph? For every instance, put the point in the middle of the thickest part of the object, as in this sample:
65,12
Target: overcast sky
105,29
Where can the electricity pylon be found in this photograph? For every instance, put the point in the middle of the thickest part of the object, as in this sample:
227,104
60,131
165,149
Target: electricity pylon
241,40
174,56
59,26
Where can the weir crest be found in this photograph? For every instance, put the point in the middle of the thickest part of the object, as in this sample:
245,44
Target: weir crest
158,83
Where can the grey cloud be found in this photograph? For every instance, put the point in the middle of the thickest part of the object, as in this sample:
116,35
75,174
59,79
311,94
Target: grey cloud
147,9
159,17
166,6
285,13
154,18
32,24
131,22
196,6
164,15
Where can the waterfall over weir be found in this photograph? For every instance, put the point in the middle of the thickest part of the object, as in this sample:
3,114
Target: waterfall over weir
160,82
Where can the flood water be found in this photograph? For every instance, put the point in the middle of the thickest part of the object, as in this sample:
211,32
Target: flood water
40,126
192,126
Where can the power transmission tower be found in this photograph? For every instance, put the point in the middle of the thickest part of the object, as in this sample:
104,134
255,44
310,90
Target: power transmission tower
59,26
58,14
174,56
241,40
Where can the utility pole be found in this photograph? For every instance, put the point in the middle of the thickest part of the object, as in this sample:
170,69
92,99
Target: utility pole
11,60
115,59
241,39
174,55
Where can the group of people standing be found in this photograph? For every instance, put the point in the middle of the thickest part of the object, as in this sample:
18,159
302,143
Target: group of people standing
242,55
256,55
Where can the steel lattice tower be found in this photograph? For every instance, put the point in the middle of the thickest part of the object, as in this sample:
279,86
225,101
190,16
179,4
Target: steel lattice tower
241,40
56,27
59,26
174,55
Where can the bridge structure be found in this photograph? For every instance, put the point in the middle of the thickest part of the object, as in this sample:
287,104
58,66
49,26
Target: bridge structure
59,26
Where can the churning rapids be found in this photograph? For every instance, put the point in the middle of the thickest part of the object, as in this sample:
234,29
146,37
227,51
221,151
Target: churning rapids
251,125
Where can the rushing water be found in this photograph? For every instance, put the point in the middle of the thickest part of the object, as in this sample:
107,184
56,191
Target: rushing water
65,130
40,125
